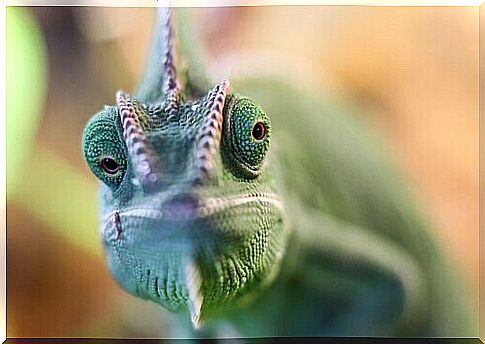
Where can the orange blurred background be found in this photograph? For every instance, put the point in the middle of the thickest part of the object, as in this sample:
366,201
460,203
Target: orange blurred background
414,71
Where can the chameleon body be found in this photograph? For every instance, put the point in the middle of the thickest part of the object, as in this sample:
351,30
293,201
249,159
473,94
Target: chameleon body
283,218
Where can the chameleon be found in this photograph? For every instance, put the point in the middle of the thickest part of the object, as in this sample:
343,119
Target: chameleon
254,208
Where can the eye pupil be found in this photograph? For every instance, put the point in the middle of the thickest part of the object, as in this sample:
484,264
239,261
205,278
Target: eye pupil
259,131
109,165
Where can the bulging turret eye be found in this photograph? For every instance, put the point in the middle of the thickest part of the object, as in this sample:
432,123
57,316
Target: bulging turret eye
103,148
109,165
247,135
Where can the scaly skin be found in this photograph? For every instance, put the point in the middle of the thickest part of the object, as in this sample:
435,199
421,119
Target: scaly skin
202,213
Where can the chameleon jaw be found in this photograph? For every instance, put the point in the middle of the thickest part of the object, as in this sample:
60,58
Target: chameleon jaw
179,251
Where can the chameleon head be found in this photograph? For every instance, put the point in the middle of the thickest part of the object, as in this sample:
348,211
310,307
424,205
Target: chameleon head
189,214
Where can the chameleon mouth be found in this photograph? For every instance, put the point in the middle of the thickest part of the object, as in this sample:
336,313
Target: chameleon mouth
185,210
179,266
216,205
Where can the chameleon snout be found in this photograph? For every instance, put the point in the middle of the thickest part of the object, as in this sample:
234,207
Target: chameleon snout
162,219
184,207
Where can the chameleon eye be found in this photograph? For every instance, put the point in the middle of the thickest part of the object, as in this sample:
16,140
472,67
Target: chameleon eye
259,131
247,136
109,165
103,148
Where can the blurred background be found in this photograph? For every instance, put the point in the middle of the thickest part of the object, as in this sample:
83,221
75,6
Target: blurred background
413,71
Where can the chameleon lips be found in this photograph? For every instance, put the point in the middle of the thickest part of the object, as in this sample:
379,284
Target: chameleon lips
181,209
142,155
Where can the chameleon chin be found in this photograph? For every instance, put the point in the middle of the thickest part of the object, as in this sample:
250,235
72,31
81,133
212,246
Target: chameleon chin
202,213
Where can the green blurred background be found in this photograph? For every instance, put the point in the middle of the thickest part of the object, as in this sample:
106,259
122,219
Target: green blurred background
413,69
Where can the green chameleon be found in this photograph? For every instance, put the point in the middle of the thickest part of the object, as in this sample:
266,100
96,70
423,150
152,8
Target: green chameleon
248,220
